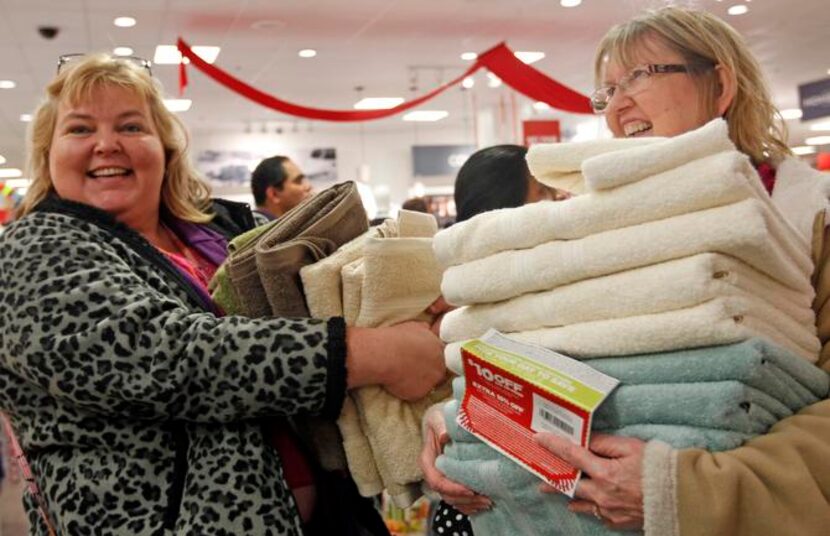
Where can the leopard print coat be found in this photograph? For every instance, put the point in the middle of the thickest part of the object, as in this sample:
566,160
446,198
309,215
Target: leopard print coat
137,409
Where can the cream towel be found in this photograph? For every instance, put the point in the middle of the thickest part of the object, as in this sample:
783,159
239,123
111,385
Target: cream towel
667,286
558,164
352,278
742,230
712,181
616,168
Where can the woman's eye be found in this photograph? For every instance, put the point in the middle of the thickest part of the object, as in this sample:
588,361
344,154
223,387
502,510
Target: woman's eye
78,129
132,127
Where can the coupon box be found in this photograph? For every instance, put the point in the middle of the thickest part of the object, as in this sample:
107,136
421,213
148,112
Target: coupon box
514,390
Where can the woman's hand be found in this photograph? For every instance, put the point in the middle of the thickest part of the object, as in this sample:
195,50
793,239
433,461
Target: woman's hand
406,359
438,309
614,491
461,498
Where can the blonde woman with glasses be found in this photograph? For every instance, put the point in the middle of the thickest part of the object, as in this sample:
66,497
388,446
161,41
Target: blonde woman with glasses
136,401
664,73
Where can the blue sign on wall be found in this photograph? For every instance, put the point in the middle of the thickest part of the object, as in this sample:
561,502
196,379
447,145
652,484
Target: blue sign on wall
432,160
815,99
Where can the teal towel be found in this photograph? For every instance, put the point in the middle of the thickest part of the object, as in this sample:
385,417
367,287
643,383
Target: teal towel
754,362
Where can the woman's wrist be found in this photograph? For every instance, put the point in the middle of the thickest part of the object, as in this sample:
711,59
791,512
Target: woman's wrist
364,362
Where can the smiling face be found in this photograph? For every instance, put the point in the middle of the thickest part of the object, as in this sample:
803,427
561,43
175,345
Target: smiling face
106,152
669,103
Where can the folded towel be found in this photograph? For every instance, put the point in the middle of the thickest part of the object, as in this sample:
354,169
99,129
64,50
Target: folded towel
358,450
246,294
220,286
616,168
351,276
667,286
713,181
559,164
741,230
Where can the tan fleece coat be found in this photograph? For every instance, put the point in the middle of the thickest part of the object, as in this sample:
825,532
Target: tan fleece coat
778,483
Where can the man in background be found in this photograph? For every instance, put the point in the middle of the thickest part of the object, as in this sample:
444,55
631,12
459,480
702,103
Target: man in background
278,186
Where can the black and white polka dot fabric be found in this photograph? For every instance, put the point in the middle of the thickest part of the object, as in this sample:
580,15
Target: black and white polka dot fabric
450,522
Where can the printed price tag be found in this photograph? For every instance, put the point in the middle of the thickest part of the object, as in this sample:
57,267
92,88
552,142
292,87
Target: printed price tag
514,390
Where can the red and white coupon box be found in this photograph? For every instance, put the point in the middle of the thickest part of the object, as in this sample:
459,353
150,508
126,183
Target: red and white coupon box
514,390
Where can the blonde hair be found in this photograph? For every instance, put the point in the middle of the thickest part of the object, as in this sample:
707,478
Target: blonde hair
755,124
183,194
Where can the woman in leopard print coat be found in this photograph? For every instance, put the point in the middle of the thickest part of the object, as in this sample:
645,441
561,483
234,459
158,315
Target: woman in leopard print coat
134,399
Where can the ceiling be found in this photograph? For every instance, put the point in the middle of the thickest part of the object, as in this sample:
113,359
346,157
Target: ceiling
389,47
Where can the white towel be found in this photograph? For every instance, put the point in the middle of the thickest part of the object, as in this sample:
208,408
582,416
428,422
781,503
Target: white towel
741,230
559,164
613,169
667,286
712,181
716,322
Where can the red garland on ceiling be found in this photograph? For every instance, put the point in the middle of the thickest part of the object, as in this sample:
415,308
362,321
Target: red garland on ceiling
500,60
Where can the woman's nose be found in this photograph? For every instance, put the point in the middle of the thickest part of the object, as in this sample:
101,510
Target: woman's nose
107,142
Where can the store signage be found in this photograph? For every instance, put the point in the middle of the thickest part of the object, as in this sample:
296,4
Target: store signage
537,131
433,160
815,99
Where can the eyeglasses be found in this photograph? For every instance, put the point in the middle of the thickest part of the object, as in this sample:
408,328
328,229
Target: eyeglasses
634,82
135,60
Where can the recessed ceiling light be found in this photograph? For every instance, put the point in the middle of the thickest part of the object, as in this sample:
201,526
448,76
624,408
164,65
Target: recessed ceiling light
540,106
818,140
804,149
177,105
10,173
124,22
307,53
25,118
7,84
122,51
468,82
820,127
738,9
493,80
469,56
377,103
570,3
791,113
426,115
169,54
529,57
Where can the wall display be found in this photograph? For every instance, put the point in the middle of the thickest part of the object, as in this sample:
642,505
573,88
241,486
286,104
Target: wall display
814,99
439,160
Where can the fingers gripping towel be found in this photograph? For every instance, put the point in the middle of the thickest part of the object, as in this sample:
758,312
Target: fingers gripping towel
616,168
667,286
713,181
742,230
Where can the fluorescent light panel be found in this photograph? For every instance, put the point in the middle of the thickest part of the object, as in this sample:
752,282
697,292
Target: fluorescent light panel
804,149
10,173
307,53
738,9
25,118
818,140
18,183
570,3
377,103
2,159
529,56
124,22
426,115
7,84
122,51
169,54
791,113
178,105
540,106
469,56
820,127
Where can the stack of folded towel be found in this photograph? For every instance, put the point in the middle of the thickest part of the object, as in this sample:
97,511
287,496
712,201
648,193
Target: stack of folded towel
675,273
386,276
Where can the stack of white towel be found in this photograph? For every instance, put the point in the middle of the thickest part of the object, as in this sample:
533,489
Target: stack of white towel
675,245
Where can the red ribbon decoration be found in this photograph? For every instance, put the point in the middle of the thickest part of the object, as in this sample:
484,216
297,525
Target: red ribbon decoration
500,60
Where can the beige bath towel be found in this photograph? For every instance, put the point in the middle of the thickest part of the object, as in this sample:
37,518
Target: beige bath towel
352,281
710,182
742,230
668,286
612,169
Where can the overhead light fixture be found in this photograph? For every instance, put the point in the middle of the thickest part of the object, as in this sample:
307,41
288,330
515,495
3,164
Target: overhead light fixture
541,106
818,140
791,113
178,105
2,159
493,80
18,183
820,127
307,53
528,56
124,22
170,55
570,3
7,84
803,150
122,51
469,56
10,173
468,82
426,115
25,118
377,103
738,9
